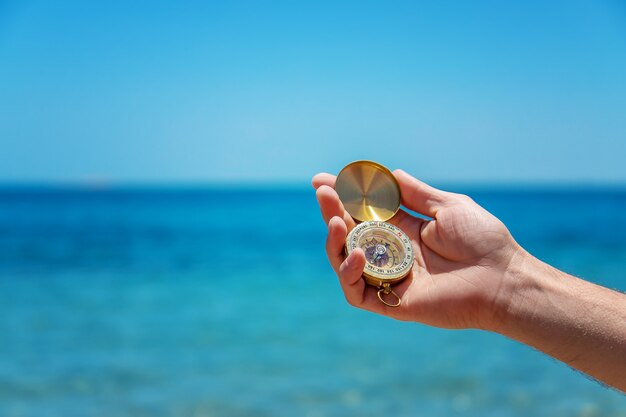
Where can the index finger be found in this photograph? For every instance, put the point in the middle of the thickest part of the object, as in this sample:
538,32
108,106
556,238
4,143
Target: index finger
330,206
323,178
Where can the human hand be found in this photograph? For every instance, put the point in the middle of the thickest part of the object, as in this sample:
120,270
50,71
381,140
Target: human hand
460,278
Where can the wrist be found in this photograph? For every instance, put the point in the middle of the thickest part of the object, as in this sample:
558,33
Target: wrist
519,283
572,320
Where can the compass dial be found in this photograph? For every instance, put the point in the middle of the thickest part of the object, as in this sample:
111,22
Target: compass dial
387,249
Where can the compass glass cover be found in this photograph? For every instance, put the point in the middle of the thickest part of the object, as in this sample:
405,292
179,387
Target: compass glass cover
387,249
382,249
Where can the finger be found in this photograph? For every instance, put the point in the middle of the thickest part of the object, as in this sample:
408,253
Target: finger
323,179
350,272
356,291
350,269
331,206
419,196
337,232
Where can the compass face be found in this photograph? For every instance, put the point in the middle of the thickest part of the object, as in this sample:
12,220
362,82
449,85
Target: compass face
387,249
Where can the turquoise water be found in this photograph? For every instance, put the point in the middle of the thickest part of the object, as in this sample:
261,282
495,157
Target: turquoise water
220,302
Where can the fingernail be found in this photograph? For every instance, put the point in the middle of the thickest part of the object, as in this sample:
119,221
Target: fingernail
350,264
346,264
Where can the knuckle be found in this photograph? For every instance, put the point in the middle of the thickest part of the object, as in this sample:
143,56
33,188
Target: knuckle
351,301
464,198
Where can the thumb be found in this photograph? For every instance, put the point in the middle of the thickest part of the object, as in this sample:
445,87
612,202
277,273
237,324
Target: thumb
419,196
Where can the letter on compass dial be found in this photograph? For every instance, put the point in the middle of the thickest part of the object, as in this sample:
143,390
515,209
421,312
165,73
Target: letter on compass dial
381,253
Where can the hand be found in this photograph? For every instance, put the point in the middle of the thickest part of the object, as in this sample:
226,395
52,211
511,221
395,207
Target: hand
470,273
462,257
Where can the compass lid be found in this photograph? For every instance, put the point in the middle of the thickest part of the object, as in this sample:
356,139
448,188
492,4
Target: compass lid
368,191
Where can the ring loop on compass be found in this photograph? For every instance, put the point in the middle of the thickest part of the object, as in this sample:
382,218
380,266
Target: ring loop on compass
386,291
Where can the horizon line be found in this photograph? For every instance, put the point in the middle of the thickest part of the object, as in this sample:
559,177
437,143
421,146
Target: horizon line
155,184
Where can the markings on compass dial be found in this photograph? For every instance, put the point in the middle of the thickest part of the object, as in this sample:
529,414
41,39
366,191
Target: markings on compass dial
381,252
387,249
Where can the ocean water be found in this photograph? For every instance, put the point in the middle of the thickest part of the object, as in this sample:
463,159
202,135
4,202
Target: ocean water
220,302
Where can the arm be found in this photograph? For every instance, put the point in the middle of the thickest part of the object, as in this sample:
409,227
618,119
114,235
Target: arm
470,273
574,321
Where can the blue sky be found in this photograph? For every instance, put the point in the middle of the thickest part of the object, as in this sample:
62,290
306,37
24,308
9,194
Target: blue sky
276,91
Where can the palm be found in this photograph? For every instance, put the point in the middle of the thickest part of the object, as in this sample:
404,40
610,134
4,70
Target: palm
454,271
458,268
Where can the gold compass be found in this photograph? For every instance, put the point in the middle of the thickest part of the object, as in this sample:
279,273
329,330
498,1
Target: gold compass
371,195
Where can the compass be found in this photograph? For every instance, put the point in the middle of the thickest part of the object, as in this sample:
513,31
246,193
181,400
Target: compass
371,195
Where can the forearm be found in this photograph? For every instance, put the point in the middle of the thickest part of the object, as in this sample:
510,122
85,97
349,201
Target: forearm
574,321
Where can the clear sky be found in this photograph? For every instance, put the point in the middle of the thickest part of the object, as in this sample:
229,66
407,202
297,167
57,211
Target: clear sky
263,91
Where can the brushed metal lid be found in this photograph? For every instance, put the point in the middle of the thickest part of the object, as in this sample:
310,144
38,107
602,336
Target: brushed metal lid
368,191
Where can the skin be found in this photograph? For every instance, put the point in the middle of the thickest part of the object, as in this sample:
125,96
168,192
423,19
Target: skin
470,273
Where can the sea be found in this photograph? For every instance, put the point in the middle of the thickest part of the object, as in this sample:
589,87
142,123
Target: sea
218,300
